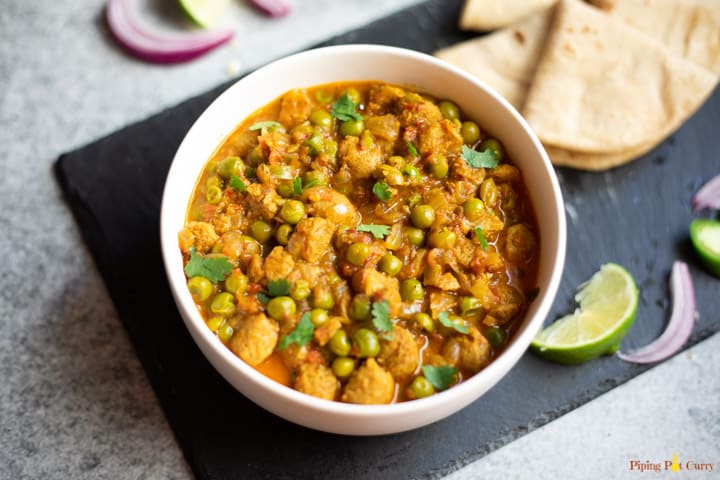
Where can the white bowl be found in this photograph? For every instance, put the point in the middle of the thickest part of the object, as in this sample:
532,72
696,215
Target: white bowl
347,63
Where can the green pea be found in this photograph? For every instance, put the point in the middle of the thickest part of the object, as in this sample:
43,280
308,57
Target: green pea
323,299
282,235
281,308
315,178
411,290
443,239
200,288
324,97
438,166
469,305
422,216
354,95
225,332
470,132
421,387
473,208
340,344
414,199
357,253
214,323
321,118
424,321
449,110
415,236
315,144
255,157
366,342
359,307
390,264
300,290
250,246
261,231
352,127
496,336
343,366
494,145
286,190
231,166
223,304
318,316
412,172
292,211
213,194
236,282
213,182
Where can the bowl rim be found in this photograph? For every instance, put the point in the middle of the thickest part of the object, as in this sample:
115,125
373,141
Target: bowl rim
496,369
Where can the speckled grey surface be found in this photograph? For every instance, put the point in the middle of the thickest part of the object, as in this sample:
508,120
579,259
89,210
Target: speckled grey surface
74,402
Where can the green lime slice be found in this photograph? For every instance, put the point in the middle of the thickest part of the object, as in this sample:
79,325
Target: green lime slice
204,12
608,303
705,237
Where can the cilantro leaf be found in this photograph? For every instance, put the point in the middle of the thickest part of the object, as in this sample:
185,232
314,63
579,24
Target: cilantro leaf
445,319
381,318
297,185
301,335
264,124
481,236
312,183
440,377
488,158
382,191
378,231
344,109
411,148
263,297
214,269
278,288
238,184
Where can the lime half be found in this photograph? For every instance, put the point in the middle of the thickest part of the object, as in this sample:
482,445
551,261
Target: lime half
608,303
705,236
204,12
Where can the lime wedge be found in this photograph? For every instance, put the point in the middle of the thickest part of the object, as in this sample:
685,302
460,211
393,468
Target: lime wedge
705,236
608,303
204,12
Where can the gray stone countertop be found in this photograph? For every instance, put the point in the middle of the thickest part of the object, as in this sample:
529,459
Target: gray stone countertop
74,400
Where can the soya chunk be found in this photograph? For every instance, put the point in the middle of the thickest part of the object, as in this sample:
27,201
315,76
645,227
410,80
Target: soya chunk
255,340
363,156
201,235
311,239
469,352
326,202
316,380
263,200
279,264
370,384
400,355
379,286
295,107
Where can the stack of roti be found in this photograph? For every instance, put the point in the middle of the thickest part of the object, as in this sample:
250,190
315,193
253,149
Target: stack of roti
600,86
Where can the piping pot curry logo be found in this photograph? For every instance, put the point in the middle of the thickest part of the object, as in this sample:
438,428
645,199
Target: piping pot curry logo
673,465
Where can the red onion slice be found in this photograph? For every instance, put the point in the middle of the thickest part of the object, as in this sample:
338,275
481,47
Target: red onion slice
681,321
708,196
274,8
156,47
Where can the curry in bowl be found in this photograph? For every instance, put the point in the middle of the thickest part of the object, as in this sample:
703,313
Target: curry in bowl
361,242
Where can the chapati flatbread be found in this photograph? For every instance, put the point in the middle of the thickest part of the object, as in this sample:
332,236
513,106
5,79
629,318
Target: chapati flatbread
486,15
506,59
690,28
595,161
602,87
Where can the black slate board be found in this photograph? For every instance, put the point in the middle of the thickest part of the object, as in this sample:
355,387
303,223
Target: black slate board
636,215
